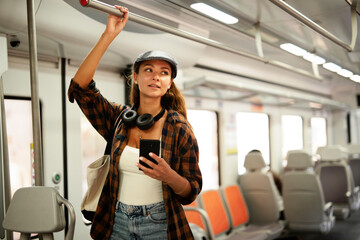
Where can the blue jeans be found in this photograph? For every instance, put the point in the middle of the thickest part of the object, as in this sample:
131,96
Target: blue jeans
139,222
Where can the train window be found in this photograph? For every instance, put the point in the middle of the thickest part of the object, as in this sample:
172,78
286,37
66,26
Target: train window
318,133
19,135
206,133
252,133
292,133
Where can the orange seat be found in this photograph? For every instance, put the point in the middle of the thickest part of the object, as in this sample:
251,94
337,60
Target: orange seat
198,221
194,216
211,202
239,217
237,206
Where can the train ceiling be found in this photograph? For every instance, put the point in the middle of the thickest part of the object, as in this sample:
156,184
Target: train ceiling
66,29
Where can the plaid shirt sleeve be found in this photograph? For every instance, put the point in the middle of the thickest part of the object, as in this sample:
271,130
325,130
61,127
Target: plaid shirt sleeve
188,153
99,111
182,153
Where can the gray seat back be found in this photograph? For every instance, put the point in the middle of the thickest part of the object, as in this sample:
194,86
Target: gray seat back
337,180
335,174
261,195
38,210
302,192
354,162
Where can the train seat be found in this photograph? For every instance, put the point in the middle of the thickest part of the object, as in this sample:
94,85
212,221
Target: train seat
261,195
304,205
38,210
337,181
354,162
212,202
239,216
198,221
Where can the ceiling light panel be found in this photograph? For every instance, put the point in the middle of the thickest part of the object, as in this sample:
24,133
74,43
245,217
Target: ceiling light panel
214,13
313,58
331,67
344,72
291,48
355,78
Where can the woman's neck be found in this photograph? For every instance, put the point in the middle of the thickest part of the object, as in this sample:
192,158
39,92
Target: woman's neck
152,107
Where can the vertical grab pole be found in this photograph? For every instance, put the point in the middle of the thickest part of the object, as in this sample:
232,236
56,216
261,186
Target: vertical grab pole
5,189
4,166
34,93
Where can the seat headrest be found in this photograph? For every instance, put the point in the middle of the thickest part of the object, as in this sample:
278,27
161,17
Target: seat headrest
332,153
299,159
354,149
254,161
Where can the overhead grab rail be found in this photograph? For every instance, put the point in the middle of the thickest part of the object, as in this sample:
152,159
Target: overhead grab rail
184,34
350,3
302,18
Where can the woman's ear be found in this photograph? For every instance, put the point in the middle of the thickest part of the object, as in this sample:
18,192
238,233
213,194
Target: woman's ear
135,78
172,80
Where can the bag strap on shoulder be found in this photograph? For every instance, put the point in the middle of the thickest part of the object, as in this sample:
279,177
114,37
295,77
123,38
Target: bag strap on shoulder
110,139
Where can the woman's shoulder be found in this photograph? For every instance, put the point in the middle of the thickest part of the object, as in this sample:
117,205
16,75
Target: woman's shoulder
176,117
180,123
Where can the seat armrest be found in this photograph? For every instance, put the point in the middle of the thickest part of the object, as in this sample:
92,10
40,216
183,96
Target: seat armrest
329,209
205,219
356,190
348,194
354,194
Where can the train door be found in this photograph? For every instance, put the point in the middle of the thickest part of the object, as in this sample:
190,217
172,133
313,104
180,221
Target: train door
16,82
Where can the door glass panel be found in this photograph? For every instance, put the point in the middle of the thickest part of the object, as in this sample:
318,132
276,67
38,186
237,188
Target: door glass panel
19,135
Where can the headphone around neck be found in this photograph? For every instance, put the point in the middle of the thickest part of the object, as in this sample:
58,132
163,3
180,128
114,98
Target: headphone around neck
145,121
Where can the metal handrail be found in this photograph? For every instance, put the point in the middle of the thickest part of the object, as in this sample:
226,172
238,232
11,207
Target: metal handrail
302,18
184,34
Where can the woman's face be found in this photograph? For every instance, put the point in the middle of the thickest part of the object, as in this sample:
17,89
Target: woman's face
154,78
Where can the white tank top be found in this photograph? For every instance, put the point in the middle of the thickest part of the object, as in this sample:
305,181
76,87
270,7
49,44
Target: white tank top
136,188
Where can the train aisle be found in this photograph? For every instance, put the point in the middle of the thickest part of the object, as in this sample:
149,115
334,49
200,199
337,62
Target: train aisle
348,229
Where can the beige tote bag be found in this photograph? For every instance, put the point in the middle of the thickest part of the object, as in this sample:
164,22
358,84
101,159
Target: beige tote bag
96,176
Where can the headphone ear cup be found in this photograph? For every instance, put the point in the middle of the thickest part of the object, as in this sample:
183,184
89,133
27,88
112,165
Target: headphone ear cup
129,118
145,121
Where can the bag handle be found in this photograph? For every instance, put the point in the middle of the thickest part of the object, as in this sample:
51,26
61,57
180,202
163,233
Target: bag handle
110,139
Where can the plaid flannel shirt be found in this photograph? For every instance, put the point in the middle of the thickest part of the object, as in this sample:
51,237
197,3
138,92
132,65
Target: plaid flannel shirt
178,147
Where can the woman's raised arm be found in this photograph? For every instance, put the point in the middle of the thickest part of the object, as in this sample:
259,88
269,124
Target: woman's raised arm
87,69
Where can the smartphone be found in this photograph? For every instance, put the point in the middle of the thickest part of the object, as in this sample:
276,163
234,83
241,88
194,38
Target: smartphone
147,146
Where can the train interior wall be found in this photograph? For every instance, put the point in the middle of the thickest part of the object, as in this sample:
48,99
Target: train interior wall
17,83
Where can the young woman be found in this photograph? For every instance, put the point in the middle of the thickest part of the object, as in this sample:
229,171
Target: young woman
146,203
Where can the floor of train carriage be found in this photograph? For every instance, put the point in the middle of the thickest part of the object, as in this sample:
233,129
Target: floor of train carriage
348,229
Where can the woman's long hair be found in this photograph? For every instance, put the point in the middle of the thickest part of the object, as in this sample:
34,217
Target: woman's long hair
172,98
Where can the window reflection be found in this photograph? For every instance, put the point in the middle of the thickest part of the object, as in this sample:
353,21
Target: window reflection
318,133
292,133
206,133
252,133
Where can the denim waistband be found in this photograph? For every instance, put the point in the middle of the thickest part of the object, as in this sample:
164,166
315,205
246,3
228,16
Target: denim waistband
139,210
